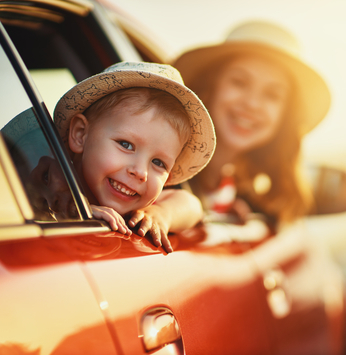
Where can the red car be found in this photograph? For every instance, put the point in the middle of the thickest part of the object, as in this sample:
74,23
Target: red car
68,285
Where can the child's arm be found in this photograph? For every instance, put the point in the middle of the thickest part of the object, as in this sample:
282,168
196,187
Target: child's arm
174,211
115,220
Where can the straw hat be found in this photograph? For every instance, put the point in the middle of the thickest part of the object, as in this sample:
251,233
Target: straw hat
270,40
200,146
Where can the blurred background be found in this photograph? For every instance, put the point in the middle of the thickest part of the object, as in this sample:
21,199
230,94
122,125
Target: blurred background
320,26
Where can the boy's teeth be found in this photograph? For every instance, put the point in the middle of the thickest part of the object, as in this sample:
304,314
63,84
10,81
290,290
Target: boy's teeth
122,189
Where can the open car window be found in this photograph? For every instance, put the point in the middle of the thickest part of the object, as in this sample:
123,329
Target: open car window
38,168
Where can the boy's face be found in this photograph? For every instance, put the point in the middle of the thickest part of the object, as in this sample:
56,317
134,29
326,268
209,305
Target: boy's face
127,157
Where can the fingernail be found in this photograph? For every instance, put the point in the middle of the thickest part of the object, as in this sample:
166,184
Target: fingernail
141,232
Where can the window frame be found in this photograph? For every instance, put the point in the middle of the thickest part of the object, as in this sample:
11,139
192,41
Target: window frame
26,227
46,123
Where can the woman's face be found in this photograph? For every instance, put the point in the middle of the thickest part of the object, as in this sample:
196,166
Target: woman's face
251,95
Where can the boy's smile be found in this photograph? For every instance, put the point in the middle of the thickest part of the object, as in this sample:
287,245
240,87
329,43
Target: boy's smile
122,188
126,157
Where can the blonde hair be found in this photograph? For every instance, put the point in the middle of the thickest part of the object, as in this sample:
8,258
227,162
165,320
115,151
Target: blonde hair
141,99
289,196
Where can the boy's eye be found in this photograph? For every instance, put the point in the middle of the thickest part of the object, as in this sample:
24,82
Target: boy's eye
159,163
126,145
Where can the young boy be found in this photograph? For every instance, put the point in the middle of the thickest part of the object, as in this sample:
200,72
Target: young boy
130,131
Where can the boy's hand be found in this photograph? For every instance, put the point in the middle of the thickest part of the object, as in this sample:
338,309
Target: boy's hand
151,220
115,220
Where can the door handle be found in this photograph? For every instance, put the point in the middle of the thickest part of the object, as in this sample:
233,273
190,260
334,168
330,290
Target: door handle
159,328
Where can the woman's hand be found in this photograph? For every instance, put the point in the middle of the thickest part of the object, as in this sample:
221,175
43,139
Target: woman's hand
152,220
115,220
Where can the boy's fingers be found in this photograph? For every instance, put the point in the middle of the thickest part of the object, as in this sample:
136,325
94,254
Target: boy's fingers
156,235
166,244
113,225
108,218
135,218
145,226
122,227
115,220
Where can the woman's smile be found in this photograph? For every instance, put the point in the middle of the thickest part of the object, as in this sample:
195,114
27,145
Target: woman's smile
243,121
245,110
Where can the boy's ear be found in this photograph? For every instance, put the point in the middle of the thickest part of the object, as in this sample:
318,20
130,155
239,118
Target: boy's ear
79,126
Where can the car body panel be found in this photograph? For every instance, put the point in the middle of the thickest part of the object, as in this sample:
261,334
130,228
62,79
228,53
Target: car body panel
41,307
198,288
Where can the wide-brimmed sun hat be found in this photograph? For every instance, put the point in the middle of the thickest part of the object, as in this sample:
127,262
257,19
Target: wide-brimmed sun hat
200,146
269,40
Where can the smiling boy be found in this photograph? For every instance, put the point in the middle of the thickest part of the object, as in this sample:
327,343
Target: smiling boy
130,131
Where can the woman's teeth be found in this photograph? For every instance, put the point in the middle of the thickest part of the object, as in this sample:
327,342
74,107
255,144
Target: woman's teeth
122,188
243,122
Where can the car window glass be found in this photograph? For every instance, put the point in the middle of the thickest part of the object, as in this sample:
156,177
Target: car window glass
63,81
37,166
13,89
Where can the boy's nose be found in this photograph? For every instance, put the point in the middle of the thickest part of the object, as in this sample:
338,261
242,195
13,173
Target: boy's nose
139,172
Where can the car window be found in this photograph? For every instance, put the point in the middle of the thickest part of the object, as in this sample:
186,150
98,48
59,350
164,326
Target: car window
63,81
36,164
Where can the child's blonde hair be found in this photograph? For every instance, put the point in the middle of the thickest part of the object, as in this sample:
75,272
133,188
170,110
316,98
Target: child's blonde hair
141,99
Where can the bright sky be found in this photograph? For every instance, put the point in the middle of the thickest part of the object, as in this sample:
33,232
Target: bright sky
320,26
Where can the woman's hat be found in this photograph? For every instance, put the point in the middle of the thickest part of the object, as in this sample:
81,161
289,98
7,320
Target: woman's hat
272,41
200,146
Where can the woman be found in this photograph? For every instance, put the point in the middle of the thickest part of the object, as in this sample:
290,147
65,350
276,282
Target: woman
262,98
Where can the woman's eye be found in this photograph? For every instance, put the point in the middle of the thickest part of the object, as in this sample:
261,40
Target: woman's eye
237,81
126,145
159,163
275,96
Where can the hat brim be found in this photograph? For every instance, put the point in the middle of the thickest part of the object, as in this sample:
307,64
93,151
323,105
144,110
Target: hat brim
312,92
199,148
